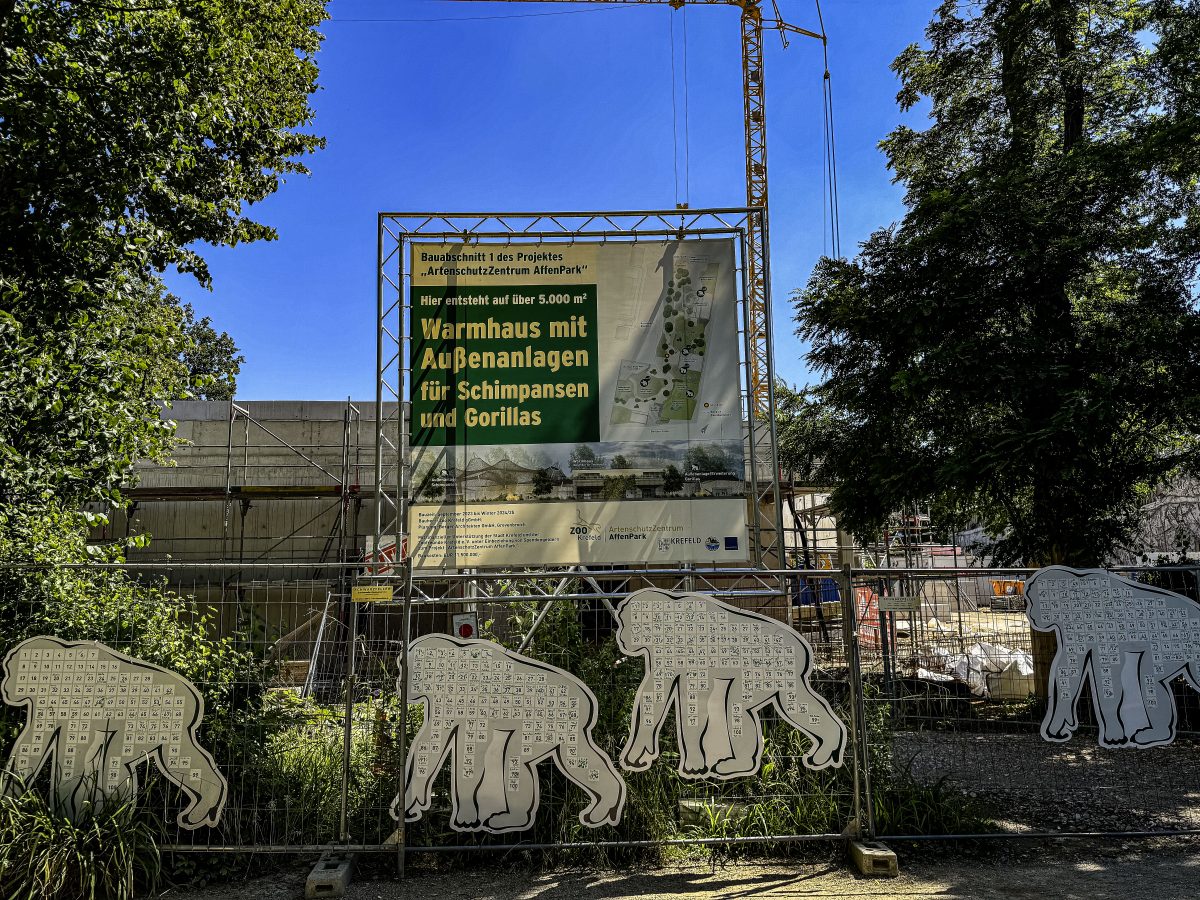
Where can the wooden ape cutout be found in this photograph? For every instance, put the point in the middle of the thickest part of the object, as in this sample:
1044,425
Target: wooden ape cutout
718,665
500,714
1129,640
98,714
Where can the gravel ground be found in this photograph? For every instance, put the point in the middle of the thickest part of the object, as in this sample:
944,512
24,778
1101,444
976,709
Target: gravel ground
1163,870
1029,783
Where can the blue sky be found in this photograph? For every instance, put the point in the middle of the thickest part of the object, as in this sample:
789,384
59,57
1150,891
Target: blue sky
546,106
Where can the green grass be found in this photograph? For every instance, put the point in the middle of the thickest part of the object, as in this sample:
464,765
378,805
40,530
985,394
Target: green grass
110,855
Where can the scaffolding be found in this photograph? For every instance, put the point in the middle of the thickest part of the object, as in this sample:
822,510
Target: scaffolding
244,489
393,466
255,485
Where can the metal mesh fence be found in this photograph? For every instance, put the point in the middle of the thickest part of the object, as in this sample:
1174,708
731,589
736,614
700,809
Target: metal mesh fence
930,671
949,670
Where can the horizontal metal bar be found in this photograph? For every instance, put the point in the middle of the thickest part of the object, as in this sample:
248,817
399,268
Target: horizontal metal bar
520,598
586,845
431,575
272,848
587,214
1042,835
570,236
459,848
552,574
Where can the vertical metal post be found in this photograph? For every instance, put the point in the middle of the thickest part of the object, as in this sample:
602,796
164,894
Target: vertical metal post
228,489
379,377
768,357
348,735
858,730
885,649
754,516
401,537
754,100
962,640
402,741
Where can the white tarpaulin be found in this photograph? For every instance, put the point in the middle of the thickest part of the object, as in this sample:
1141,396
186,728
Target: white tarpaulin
989,670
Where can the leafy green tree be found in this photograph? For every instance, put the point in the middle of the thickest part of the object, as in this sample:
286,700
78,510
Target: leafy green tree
804,427
542,483
1022,348
708,459
618,487
212,360
619,462
78,400
583,457
672,480
130,134
143,618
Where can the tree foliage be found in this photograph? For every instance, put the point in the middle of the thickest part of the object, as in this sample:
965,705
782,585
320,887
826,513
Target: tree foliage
78,396
39,595
672,480
129,135
543,484
212,360
1022,348
804,426
707,459
583,457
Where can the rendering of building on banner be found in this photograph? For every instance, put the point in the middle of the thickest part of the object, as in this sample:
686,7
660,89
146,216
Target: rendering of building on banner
576,403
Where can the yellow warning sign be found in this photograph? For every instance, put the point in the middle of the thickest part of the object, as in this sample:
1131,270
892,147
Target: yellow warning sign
371,593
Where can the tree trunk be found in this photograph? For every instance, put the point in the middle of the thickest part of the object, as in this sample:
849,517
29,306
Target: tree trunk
1044,646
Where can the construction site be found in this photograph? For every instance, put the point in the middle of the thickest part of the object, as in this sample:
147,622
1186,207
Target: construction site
560,523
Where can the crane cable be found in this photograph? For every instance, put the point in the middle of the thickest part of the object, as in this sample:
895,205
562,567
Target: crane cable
674,109
687,133
829,186
675,89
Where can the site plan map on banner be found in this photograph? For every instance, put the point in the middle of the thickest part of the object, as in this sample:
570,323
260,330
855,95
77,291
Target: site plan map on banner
576,403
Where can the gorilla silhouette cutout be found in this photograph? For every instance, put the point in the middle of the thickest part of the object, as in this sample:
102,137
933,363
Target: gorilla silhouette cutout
1128,640
99,714
718,666
501,714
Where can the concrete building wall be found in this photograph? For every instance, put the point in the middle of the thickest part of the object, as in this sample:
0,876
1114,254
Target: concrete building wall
291,469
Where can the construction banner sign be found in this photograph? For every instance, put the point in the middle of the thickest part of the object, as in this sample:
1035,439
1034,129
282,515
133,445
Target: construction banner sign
576,403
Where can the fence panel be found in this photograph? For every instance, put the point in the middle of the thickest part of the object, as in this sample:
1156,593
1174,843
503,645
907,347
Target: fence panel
566,620
949,671
305,721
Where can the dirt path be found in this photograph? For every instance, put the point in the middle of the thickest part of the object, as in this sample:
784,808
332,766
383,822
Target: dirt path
1164,870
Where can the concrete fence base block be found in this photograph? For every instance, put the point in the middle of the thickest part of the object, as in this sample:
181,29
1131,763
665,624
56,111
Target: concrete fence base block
330,876
874,859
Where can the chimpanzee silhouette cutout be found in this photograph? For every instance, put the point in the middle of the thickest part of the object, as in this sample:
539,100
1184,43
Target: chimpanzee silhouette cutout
718,665
498,715
98,714
1129,640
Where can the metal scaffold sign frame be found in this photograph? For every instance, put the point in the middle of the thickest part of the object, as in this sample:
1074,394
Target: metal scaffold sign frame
394,383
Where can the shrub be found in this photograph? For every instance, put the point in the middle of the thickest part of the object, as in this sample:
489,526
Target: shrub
47,588
109,855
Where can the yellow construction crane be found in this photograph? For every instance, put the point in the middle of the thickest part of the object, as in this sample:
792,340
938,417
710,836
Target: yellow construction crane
754,99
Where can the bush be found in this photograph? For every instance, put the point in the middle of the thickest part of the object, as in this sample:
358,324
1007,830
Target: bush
48,587
109,855
45,588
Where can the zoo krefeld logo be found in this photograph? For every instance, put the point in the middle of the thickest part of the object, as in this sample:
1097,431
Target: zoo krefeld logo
712,545
583,526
